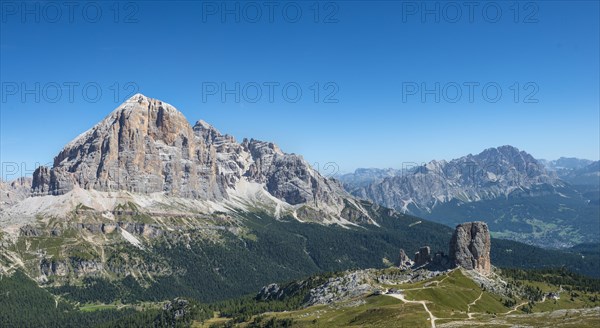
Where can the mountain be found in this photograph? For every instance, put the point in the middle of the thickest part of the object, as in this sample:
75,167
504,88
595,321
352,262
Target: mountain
145,196
568,163
14,191
587,175
363,177
493,173
147,147
505,187
575,171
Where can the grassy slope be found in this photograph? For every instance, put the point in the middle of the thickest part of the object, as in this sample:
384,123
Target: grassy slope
449,301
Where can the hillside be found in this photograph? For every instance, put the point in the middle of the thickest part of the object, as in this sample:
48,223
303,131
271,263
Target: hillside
389,297
456,298
224,258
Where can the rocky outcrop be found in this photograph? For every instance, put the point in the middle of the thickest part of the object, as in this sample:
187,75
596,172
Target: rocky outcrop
91,227
30,231
348,286
142,229
50,267
174,312
136,228
79,267
423,256
83,268
108,227
404,262
270,292
470,247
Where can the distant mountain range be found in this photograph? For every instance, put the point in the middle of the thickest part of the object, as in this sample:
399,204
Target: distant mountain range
565,163
520,197
575,171
365,176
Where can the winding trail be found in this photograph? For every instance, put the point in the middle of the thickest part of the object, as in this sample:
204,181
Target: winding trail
515,308
438,282
432,318
469,313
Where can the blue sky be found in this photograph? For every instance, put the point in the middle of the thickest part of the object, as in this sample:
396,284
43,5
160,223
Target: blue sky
369,60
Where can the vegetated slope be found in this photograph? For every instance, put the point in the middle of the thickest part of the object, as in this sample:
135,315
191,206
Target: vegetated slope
274,250
25,304
556,220
266,250
455,298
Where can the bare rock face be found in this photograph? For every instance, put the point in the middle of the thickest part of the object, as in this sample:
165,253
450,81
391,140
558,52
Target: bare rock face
404,262
287,176
50,267
14,191
470,247
423,256
145,146
30,231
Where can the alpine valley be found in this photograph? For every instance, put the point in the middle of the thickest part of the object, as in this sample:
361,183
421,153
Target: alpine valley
147,221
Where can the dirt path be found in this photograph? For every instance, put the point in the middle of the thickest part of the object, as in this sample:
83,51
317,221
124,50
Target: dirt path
438,282
521,304
432,318
469,313
515,308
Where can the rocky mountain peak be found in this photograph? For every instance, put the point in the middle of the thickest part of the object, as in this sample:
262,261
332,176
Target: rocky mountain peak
511,158
143,145
209,134
147,146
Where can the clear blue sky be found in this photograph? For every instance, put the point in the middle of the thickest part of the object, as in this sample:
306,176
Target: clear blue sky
368,50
